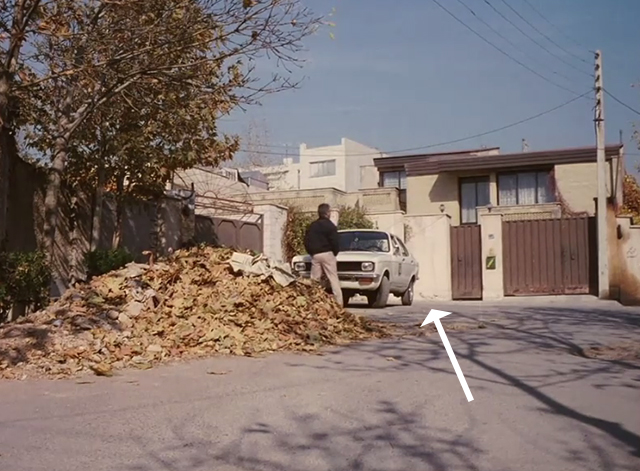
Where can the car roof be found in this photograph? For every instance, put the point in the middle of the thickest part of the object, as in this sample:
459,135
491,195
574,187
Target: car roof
364,230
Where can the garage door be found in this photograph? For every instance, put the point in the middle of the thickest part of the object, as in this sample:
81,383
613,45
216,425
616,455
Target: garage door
549,256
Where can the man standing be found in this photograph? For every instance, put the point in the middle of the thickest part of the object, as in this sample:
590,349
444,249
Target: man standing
321,242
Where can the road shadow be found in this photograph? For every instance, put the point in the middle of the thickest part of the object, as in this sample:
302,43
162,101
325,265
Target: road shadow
553,340
386,438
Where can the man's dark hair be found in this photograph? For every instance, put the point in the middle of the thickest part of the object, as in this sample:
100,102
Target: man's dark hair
324,210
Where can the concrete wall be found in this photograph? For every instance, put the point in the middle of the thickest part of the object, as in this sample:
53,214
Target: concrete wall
576,183
357,157
280,177
525,211
430,244
425,194
145,225
389,221
309,155
354,168
624,260
375,199
369,177
491,239
274,221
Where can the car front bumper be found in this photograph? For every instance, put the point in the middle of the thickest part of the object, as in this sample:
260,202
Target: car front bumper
354,281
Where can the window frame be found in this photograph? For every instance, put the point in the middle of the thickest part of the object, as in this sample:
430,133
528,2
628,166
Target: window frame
396,245
319,162
531,170
403,248
473,179
399,179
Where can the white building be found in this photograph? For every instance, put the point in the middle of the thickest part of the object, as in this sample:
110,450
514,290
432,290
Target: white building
347,167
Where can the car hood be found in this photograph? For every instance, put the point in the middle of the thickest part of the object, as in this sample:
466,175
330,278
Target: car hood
347,257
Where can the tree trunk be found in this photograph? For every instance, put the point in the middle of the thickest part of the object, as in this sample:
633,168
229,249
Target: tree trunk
8,151
51,206
117,233
96,225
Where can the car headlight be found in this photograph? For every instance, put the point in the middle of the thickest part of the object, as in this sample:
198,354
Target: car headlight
366,266
299,266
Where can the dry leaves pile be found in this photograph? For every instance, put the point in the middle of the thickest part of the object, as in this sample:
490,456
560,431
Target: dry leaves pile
619,351
189,306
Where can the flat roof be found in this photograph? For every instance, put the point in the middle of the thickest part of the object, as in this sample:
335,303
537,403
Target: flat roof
571,155
397,162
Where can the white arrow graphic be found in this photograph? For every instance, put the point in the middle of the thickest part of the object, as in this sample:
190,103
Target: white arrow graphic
435,316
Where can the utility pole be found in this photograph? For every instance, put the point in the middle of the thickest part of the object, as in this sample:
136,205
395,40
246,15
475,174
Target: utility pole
603,247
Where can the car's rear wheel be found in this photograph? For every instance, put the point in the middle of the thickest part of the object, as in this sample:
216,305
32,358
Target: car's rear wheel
379,298
407,296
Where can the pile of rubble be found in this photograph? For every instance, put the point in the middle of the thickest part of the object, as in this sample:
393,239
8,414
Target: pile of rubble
197,303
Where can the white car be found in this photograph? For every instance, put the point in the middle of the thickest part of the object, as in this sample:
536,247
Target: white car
371,263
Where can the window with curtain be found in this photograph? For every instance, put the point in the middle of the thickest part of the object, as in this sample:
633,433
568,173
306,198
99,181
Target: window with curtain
394,179
525,188
324,168
474,192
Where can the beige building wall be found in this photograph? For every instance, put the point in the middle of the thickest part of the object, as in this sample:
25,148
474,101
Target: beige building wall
357,157
433,194
350,158
430,244
369,177
310,155
389,221
577,183
624,260
373,200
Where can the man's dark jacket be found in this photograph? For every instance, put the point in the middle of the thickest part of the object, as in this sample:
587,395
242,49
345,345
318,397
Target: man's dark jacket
322,236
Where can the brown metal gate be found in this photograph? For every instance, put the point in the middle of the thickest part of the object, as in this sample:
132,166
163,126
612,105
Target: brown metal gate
234,233
466,262
549,256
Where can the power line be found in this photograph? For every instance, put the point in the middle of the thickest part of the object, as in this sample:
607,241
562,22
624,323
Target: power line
557,28
455,141
622,102
505,38
501,51
542,34
532,39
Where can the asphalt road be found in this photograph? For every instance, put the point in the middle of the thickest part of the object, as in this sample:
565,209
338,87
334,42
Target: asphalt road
382,406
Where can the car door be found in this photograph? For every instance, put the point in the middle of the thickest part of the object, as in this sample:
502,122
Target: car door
398,278
408,264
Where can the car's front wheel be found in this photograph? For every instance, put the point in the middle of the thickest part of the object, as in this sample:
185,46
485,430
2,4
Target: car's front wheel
407,296
379,298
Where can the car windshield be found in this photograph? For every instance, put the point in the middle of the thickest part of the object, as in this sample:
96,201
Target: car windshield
364,241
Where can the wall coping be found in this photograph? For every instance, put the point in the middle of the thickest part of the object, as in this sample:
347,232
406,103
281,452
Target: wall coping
428,215
377,189
279,206
378,213
319,191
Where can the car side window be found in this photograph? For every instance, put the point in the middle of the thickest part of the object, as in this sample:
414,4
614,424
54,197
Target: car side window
405,251
397,250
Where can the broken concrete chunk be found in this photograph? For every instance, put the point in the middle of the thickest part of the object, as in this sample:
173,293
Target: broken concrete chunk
133,309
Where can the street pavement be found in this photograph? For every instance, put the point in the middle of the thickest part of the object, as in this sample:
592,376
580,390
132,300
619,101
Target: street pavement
376,406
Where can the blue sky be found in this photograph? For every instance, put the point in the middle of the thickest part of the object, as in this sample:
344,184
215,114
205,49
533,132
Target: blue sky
405,74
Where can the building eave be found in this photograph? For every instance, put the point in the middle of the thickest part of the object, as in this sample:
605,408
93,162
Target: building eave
398,162
510,161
